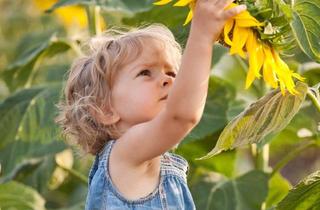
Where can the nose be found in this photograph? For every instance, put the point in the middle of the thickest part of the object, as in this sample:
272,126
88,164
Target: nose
167,80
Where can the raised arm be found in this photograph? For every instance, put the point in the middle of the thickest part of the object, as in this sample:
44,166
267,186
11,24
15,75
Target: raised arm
186,101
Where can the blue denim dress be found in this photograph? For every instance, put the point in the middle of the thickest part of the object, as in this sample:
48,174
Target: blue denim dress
172,192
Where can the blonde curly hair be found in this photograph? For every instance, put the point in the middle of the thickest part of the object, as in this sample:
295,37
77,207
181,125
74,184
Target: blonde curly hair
90,81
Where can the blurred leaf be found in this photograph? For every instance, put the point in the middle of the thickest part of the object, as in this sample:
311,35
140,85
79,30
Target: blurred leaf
234,70
288,138
167,15
28,129
246,192
79,206
12,111
51,73
18,73
222,163
306,27
14,195
38,120
25,154
63,159
278,189
268,115
130,6
311,71
27,111
235,108
219,51
306,195
214,117
38,176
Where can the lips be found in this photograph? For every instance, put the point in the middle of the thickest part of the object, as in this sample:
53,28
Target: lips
164,98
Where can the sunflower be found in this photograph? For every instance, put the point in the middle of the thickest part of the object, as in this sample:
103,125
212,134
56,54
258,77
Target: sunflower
246,44
68,15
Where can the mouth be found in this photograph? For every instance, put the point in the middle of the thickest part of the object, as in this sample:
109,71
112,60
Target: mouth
164,98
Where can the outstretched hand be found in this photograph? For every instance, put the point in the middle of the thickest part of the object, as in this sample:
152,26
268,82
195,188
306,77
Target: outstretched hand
210,16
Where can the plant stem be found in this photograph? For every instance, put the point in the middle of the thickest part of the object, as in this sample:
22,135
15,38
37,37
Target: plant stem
93,15
314,100
261,156
291,156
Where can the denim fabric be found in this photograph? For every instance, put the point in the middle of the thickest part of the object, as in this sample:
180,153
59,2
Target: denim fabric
172,192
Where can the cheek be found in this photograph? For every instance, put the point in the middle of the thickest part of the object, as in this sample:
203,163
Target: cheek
129,98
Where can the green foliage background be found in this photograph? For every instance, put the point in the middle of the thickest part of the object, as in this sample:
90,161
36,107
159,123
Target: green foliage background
40,171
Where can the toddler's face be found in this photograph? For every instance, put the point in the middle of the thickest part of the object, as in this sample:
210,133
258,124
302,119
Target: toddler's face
140,86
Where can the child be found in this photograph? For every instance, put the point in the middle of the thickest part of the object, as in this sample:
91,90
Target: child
131,100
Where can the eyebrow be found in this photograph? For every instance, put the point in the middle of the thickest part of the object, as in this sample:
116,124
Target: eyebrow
152,64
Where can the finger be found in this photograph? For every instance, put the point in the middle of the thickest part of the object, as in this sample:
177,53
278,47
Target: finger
234,11
223,3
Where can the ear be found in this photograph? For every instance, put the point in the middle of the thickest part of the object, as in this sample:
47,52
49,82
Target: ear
109,118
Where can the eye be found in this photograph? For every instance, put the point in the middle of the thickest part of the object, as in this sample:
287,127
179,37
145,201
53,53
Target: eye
171,73
145,72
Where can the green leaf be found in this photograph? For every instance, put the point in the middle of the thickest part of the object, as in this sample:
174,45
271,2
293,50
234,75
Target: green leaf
267,116
234,70
214,118
278,189
166,14
306,195
18,73
246,192
223,163
306,27
311,71
26,155
28,115
12,111
14,195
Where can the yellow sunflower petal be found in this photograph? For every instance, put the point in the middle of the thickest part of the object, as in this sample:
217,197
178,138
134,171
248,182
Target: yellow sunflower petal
182,3
250,77
238,40
189,17
256,58
72,15
298,76
260,60
244,19
282,87
268,68
247,22
284,73
162,2
227,28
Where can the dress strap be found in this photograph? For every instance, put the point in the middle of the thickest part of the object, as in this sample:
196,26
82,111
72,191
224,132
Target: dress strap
100,160
105,153
93,169
175,164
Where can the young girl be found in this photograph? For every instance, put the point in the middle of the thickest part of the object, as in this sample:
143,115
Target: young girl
131,99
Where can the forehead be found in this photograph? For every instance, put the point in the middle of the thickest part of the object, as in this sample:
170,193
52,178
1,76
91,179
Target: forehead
153,53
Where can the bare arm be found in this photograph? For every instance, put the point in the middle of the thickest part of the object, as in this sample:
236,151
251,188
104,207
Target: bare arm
186,101
189,92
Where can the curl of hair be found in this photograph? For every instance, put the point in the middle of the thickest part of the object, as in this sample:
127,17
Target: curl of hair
90,80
